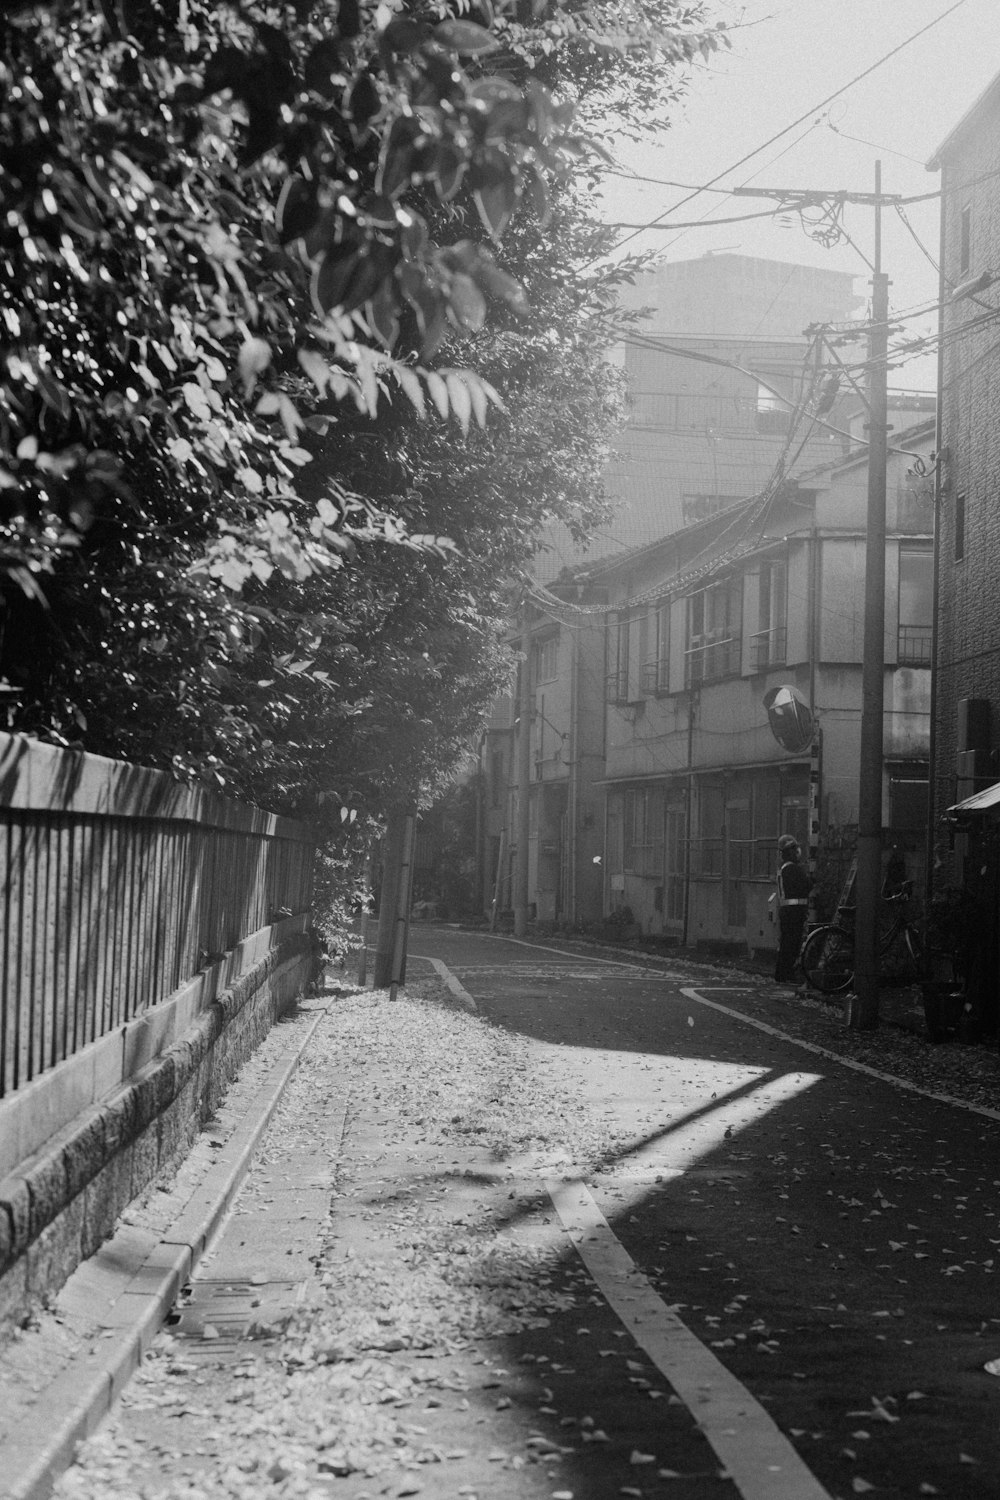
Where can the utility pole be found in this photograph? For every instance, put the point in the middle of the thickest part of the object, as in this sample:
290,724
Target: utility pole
523,826
862,1005
397,860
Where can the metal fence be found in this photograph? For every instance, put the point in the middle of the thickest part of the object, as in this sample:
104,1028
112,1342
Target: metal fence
116,886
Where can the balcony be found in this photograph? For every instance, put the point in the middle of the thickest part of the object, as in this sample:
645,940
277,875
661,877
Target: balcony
768,649
913,646
616,688
653,678
711,660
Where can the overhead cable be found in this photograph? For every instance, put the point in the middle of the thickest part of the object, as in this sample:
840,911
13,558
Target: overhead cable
957,5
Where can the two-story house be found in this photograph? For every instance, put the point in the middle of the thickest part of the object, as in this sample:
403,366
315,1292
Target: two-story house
708,627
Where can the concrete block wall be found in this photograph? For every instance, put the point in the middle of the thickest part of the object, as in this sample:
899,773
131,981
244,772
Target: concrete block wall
61,1201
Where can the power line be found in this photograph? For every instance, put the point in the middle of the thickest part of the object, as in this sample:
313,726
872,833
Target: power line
800,119
768,213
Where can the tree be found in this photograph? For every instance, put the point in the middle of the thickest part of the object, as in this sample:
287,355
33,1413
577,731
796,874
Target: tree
243,250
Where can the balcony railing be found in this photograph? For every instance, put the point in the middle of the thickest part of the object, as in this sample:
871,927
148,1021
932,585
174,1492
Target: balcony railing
913,647
711,660
768,648
616,687
654,676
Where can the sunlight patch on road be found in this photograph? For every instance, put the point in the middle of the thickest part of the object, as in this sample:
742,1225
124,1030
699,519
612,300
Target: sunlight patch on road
682,1144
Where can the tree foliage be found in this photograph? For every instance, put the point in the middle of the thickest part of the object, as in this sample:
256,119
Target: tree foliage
297,355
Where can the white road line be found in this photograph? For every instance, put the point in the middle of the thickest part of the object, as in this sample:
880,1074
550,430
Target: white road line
622,963
456,987
758,1458
848,1062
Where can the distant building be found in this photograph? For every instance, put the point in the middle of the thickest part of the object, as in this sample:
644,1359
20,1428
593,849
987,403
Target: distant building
714,373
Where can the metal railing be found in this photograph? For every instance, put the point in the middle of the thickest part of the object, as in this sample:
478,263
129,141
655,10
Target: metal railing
913,646
710,660
616,687
117,885
768,648
654,675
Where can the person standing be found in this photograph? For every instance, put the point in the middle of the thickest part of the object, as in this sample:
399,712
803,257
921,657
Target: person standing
793,907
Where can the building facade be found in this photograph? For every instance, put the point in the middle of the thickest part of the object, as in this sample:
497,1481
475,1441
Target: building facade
966,739
709,627
560,645
658,786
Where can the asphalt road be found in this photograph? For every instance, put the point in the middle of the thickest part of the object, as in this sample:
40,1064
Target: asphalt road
831,1240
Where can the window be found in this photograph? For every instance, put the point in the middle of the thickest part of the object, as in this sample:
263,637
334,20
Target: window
656,667
676,848
618,634
765,826
738,858
643,832
959,527
916,607
773,414
547,659
713,632
769,641
907,804
709,848
965,240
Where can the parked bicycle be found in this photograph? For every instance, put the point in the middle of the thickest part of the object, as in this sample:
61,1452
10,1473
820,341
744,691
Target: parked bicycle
827,953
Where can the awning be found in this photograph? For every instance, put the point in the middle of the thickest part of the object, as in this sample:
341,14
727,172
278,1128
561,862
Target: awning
982,803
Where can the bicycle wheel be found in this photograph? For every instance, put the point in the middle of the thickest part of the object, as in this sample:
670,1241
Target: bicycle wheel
827,959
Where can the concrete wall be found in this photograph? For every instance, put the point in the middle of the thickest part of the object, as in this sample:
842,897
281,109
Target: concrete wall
152,935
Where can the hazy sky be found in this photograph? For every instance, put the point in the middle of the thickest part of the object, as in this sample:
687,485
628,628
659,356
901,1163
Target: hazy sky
786,57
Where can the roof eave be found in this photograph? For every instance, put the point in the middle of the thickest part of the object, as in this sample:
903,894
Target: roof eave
936,161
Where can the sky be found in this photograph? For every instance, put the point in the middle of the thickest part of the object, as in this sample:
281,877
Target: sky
786,57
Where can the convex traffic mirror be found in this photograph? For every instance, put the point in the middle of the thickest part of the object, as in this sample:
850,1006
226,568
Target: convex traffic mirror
790,717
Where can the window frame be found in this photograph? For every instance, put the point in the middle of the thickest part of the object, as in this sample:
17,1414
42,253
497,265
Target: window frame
769,642
656,665
913,649
713,651
546,647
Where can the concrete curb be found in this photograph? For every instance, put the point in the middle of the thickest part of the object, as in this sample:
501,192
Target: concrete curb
128,1287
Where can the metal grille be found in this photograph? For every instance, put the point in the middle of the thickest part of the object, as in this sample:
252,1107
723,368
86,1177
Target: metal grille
103,915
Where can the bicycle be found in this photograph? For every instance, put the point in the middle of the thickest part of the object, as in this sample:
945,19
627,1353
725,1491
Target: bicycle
826,957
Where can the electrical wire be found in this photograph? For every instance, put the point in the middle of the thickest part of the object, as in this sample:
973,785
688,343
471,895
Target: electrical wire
888,150
768,213
891,200
800,119
728,364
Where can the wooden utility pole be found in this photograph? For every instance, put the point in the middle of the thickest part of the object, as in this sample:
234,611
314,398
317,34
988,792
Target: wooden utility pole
523,826
396,860
404,901
862,1005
